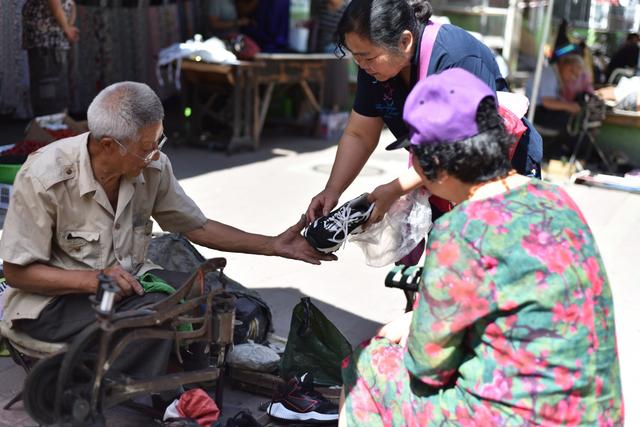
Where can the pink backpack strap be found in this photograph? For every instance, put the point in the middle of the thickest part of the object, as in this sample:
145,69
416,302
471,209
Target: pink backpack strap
426,47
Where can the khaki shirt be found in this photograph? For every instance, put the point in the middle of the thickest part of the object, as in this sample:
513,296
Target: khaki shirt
60,215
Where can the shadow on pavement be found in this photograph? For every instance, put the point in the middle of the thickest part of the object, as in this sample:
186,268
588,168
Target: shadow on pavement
282,300
189,161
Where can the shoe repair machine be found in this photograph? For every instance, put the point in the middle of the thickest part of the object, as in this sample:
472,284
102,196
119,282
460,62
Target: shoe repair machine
75,387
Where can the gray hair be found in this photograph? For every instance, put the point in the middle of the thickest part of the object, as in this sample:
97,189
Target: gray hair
122,109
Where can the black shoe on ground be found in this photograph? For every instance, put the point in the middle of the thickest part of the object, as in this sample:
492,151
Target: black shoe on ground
327,233
243,419
298,401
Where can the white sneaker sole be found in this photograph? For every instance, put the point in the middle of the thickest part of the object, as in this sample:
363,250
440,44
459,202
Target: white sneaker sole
278,410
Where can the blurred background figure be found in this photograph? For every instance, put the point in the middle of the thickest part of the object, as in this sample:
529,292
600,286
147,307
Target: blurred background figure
337,90
224,19
47,32
625,95
567,45
330,14
626,56
553,111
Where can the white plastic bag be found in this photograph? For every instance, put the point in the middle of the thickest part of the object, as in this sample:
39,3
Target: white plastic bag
406,223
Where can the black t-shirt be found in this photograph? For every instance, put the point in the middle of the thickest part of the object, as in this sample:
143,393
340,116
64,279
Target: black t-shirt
454,47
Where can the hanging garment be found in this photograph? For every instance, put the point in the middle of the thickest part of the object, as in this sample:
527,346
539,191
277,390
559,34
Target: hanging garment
14,68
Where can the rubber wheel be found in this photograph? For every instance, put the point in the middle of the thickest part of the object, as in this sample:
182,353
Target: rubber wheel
40,389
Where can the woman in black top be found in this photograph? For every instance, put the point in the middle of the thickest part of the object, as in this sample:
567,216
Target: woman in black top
384,38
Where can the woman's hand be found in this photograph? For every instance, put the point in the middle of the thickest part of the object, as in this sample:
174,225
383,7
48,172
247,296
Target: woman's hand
398,330
71,33
322,204
383,197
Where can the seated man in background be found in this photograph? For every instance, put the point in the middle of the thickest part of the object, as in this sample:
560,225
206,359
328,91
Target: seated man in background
82,206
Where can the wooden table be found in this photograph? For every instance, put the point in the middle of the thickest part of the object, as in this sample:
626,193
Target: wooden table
209,85
619,136
252,85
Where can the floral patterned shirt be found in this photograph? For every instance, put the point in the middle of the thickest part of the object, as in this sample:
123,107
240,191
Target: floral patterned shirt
515,312
39,26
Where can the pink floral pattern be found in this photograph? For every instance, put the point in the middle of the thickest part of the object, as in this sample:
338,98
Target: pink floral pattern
513,326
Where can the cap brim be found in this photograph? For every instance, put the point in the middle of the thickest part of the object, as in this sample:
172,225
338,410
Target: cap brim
401,143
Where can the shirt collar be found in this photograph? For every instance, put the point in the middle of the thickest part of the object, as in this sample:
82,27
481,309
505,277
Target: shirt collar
86,180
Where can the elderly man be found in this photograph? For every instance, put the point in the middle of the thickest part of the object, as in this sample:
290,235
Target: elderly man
82,205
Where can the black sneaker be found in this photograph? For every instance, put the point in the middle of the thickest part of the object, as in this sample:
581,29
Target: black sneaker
298,401
327,233
242,419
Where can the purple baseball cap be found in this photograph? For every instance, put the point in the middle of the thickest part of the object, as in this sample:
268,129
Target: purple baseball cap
442,108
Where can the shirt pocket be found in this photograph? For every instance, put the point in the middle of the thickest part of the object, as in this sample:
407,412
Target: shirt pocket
83,246
141,239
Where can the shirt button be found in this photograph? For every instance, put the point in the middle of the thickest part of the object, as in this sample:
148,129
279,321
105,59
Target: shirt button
118,226
69,171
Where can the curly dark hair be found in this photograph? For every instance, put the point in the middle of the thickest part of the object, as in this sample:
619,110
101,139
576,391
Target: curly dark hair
480,158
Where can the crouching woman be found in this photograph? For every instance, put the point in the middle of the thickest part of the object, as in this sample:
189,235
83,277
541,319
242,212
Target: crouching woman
514,321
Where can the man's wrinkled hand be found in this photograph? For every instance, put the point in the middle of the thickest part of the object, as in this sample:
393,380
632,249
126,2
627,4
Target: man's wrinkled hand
128,284
291,244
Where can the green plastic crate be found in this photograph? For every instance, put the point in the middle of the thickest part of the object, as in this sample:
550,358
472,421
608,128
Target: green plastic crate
8,173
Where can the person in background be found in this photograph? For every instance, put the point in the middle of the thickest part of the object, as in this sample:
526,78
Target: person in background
626,56
552,110
47,34
224,20
514,323
328,19
336,88
566,45
625,95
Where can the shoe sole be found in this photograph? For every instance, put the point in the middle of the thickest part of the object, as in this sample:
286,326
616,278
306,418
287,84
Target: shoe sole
280,412
314,244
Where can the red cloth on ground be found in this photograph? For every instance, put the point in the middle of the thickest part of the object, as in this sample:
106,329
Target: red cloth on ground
199,406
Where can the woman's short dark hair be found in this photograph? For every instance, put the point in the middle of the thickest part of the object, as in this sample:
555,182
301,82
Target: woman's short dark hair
481,158
382,21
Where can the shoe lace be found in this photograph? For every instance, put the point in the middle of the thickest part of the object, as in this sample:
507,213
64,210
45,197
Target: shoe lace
340,221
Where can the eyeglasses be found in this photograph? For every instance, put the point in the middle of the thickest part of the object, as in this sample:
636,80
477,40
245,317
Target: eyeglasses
149,156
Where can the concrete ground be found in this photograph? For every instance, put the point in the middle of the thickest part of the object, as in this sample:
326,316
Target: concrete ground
266,191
